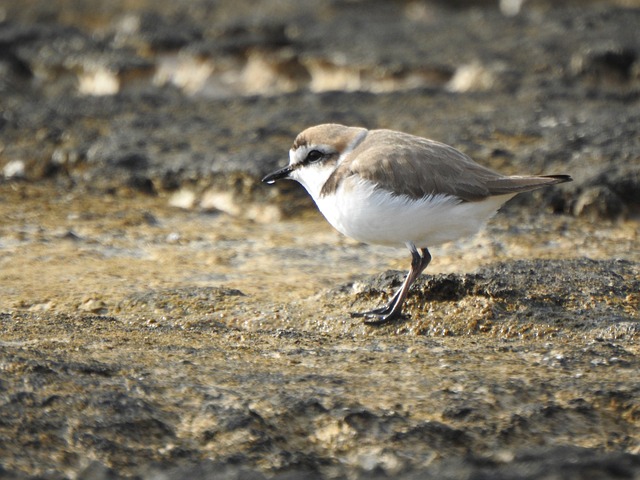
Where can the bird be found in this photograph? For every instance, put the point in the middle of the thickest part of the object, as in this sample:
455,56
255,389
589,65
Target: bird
386,187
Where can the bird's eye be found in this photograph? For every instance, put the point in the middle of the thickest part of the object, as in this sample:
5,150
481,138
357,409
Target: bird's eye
313,156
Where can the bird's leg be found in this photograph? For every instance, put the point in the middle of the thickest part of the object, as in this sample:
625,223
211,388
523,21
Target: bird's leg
385,310
419,261
393,309
426,260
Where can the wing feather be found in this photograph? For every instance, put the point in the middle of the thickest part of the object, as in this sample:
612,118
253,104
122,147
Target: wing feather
418,167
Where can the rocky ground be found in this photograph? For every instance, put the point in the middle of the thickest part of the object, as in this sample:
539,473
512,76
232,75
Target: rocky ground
165,315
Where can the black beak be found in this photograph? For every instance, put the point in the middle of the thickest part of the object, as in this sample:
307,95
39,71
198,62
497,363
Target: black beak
278,174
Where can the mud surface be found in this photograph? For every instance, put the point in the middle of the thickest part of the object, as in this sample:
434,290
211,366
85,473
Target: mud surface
164,315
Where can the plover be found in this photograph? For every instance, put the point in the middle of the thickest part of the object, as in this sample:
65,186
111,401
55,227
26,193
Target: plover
390,188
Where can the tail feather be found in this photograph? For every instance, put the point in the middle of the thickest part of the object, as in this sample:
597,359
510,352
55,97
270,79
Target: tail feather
517,184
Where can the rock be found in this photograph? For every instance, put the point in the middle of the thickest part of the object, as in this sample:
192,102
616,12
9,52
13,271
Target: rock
14,169
599,202
565,462
539,298
623,181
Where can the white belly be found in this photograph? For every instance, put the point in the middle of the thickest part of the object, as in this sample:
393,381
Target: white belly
375,216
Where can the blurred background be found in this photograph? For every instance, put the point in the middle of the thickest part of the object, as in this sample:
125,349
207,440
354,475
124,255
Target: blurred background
156,94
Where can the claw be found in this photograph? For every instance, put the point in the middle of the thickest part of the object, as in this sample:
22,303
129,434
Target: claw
382,319
376,312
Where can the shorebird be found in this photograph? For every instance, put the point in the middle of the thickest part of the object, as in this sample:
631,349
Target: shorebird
390,188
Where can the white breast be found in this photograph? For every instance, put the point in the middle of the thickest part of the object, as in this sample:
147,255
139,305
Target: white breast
371,215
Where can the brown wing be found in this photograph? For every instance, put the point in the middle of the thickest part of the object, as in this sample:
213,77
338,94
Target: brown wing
419,167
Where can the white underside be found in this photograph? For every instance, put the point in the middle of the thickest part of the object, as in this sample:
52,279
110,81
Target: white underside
364,213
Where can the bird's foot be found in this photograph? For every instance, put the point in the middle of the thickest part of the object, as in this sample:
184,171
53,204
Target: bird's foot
379,316
375,312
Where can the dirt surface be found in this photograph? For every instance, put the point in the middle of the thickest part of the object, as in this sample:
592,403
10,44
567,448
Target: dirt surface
151,339
163,315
